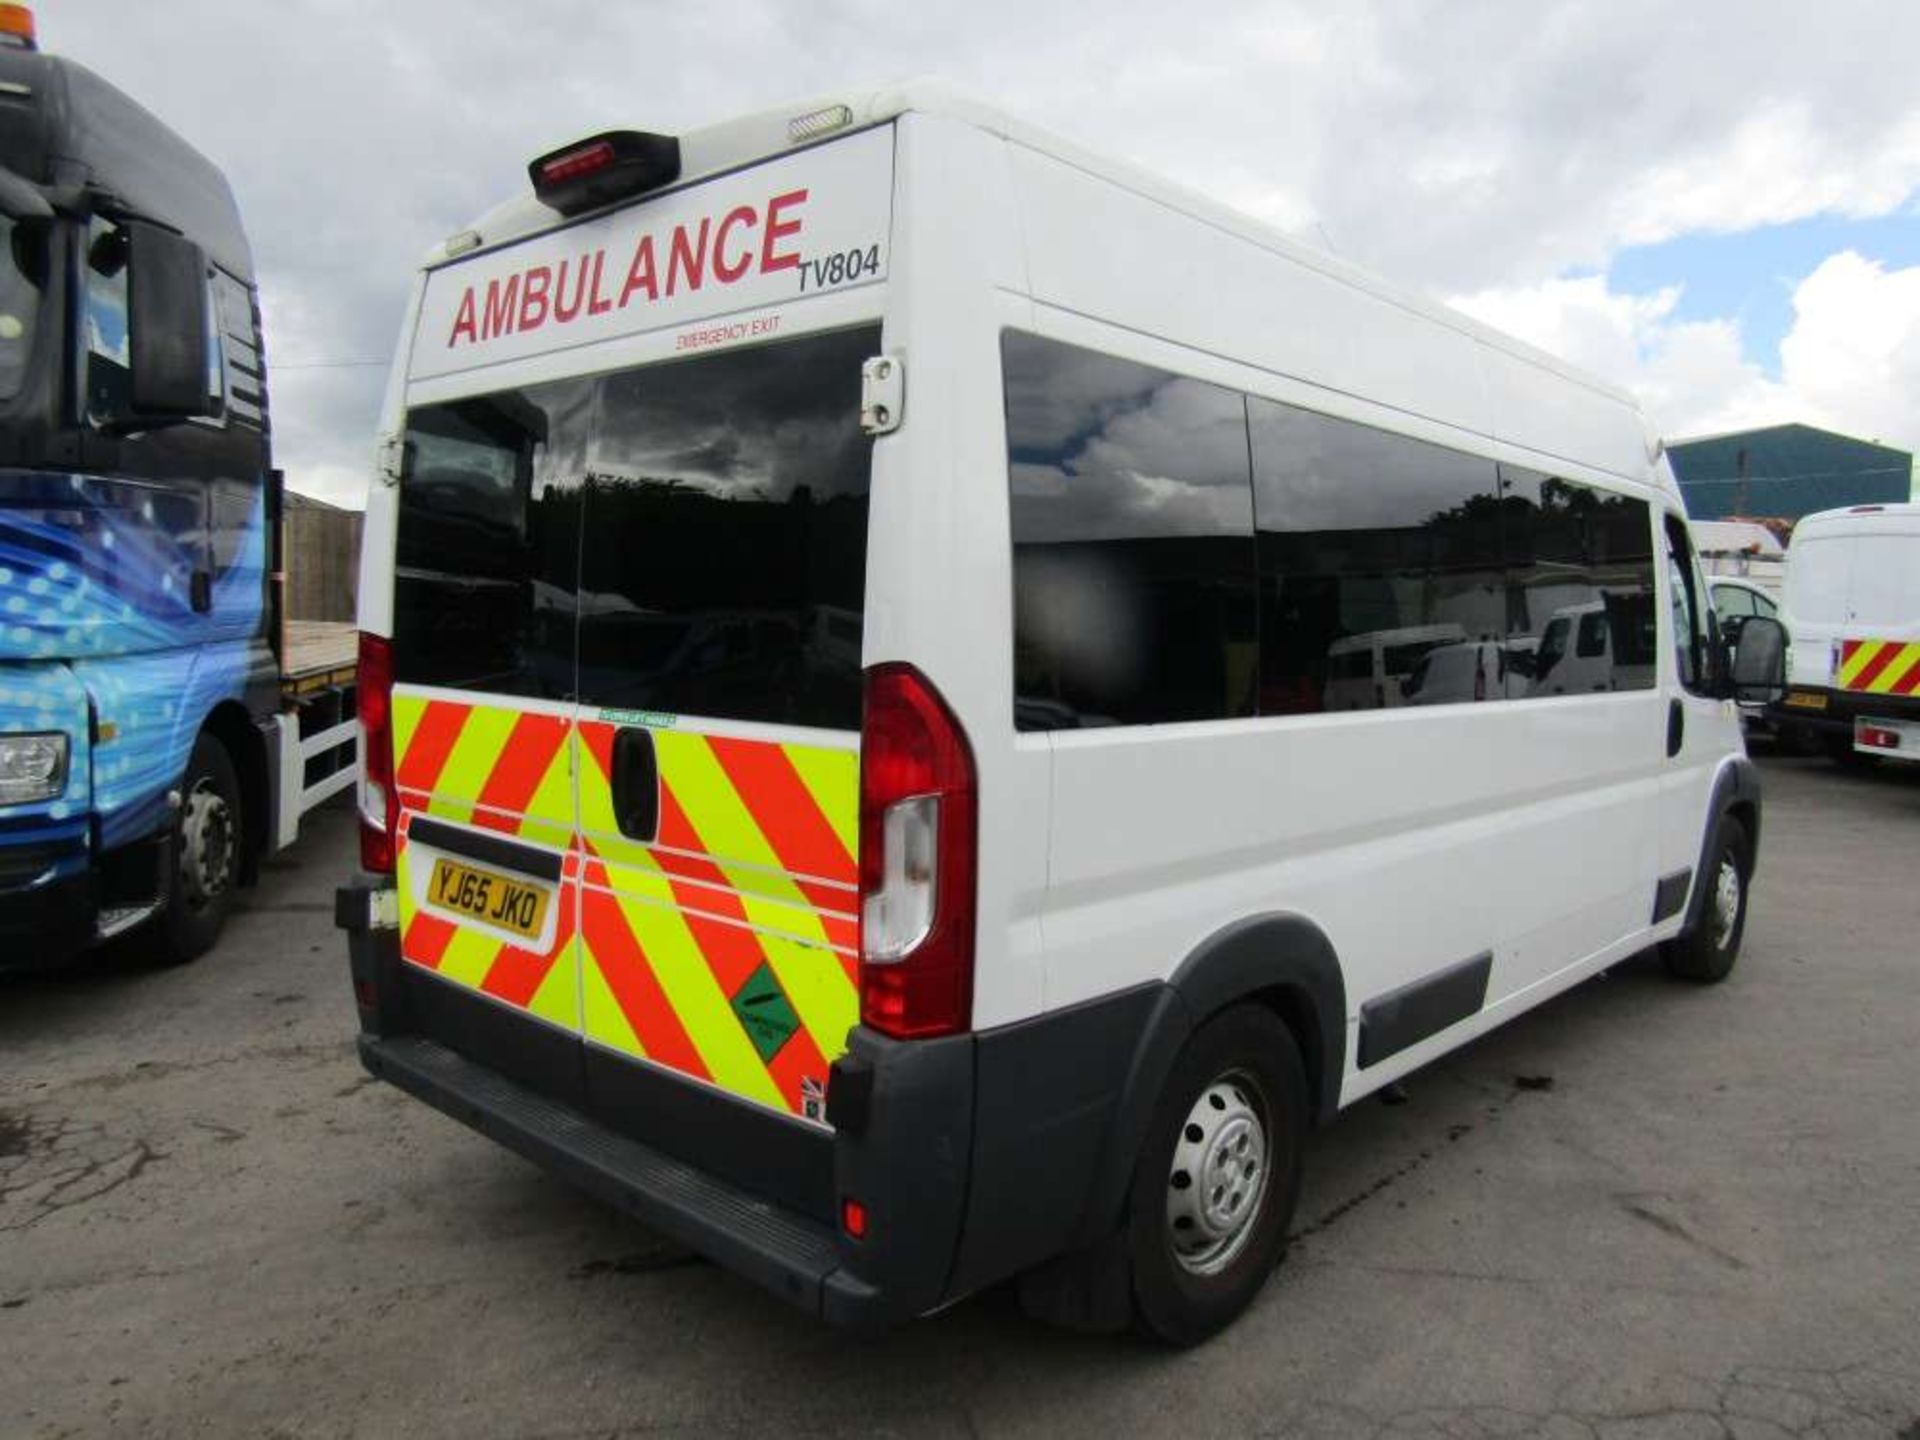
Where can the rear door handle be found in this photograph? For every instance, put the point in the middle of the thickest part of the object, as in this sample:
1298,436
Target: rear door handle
636,785
1676,727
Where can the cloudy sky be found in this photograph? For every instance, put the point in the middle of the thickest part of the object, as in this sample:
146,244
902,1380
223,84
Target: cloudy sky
1715,203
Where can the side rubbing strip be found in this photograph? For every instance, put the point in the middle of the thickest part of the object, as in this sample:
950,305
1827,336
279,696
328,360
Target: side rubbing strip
1407,1016
1670,894
488,849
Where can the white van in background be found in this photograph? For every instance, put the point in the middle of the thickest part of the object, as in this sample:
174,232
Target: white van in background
1852,611
1593,648
1370,671
1036,944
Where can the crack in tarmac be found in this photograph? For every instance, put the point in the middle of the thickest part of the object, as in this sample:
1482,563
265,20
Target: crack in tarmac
82,1170
1868,1398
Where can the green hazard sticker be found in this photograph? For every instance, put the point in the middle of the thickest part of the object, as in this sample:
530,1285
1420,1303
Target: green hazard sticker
764,1012
652,719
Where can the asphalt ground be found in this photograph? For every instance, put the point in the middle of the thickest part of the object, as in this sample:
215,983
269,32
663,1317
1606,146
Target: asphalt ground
1642,1210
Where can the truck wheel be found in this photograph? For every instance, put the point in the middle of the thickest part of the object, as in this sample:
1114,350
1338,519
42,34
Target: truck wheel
1706,953
1217,1179
206,855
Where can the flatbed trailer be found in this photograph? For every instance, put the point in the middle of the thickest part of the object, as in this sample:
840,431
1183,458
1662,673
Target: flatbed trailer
318,732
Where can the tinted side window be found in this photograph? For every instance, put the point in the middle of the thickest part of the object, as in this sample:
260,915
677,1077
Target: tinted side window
725,551
1375,550
1133,556
1579,587
488,541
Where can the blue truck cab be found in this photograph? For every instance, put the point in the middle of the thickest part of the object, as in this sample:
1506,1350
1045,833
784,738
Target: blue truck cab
143,728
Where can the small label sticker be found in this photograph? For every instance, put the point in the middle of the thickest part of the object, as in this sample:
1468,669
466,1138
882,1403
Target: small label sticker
813,1099
652,719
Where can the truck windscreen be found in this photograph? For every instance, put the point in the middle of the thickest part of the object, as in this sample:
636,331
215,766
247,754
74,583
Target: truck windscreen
23,251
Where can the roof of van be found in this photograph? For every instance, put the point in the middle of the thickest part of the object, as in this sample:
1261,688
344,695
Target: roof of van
1902,519
732,144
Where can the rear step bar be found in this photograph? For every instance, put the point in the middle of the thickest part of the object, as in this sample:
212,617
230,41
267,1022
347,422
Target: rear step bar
787,1253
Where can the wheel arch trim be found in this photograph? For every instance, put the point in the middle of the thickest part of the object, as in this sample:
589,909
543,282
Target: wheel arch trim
1283,961
1736,794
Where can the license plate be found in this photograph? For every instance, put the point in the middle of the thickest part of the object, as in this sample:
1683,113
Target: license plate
516,906
1805,700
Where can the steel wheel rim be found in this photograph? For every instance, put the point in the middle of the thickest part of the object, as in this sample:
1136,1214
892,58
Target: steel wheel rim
1217,1181
1726,901
206,845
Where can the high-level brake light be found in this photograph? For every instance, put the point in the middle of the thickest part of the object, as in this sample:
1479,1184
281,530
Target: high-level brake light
604,168
919,808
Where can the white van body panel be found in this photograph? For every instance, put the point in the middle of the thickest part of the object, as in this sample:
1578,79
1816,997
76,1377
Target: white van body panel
1373,826
939,586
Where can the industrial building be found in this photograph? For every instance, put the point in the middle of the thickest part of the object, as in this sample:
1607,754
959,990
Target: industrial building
1786,471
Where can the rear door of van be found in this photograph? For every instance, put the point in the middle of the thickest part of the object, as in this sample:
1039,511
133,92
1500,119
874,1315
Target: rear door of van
487,544
723,568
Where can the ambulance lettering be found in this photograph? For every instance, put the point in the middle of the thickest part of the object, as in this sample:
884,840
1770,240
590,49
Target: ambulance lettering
748,240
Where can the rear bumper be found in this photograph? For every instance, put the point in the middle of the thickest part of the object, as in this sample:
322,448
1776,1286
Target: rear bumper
792,1256
974,1156
1842,707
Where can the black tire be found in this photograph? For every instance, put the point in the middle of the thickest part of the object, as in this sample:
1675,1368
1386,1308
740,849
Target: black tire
1705,954
207,844
1183,1291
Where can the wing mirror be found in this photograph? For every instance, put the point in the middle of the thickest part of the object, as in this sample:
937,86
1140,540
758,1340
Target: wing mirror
1760,661
167,324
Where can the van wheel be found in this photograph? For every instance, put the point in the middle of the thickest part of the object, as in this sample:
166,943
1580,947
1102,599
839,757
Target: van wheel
206,855
1215,1186
1706,953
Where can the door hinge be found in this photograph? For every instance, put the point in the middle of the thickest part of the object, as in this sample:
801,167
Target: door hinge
883,394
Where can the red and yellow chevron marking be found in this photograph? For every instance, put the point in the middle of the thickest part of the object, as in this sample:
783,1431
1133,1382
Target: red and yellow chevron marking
748,893
1880,667
501,769
726,949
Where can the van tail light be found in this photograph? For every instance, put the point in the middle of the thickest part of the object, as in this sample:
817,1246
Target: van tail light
379,801
919,829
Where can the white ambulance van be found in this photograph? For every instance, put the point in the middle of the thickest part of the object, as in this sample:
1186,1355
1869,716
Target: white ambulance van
848,602
1853,611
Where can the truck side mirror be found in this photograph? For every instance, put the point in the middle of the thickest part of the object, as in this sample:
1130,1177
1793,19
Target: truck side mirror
167,324
1760,662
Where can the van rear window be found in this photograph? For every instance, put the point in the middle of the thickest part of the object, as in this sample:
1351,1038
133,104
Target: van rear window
688,537
488,541
723,565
